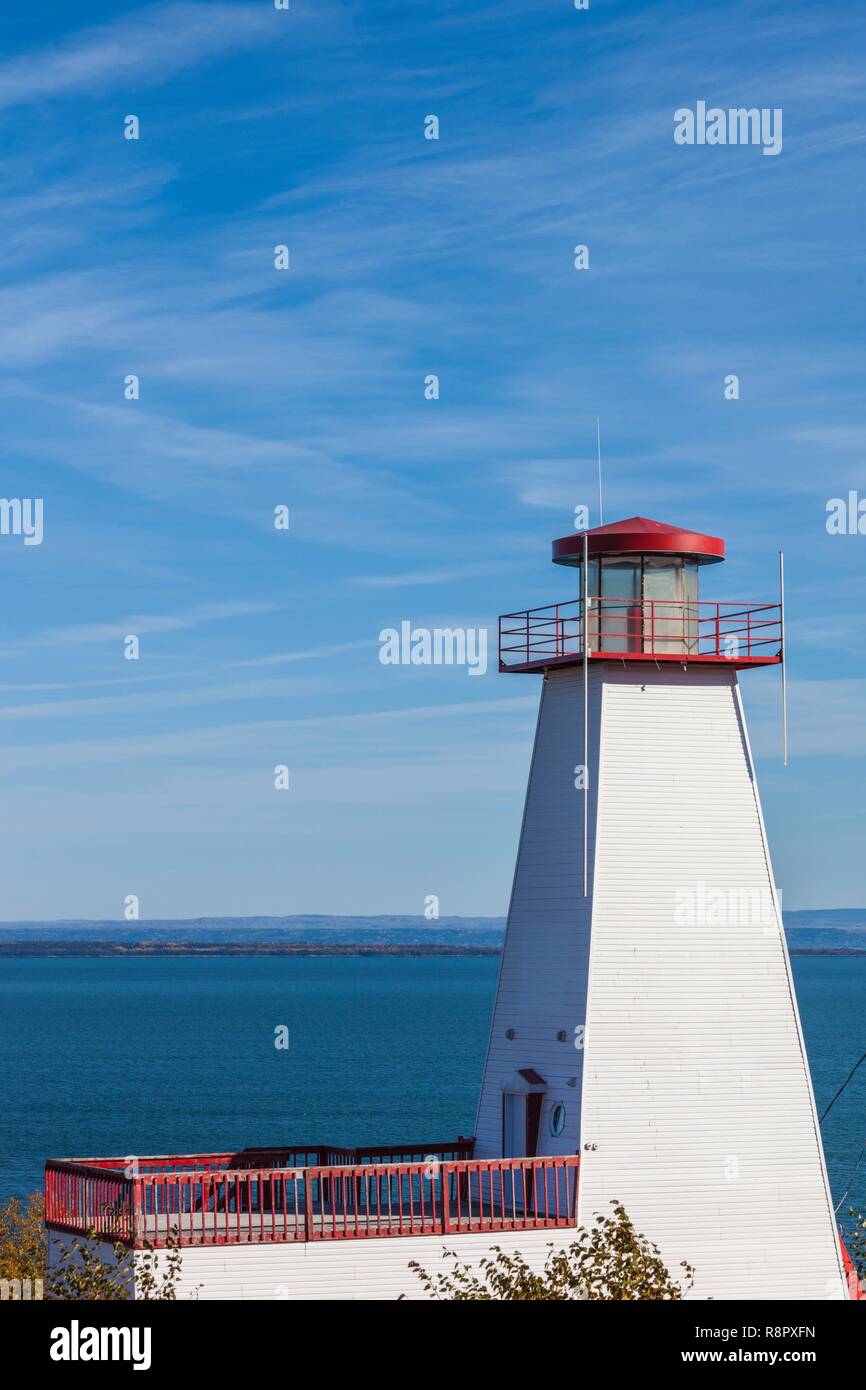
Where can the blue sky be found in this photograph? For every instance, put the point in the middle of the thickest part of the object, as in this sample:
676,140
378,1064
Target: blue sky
306,388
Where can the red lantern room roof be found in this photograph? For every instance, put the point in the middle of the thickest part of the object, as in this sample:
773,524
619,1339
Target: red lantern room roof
638,535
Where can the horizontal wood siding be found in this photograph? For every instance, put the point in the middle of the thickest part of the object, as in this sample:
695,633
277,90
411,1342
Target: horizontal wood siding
697,1093
543,974
345,1270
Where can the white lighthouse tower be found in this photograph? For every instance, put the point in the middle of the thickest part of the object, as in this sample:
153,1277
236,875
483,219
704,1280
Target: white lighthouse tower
645,1045
646,1014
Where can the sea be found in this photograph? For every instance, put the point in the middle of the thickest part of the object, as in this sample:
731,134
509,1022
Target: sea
102,1056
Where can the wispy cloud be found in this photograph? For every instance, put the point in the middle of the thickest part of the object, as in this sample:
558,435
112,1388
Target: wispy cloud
415,578
825,718
319,739
148,46
136,705
143,623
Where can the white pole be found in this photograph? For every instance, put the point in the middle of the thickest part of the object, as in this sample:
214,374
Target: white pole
585,714
784,657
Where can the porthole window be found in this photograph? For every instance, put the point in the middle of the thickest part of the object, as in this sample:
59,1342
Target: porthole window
557,1119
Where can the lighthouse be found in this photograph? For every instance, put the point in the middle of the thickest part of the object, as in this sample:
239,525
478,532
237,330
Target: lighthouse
646,1016
645,1047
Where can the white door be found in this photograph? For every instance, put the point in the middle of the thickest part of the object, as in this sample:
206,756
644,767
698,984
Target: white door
513,1125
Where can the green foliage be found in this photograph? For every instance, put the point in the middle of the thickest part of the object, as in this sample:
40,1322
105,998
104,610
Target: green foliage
153,1282
611,1262
22,1238
83,1273
855,1241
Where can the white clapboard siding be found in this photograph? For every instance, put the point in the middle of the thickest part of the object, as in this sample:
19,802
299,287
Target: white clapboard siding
543,975
331,1269
696,1090
693,1086
346,1269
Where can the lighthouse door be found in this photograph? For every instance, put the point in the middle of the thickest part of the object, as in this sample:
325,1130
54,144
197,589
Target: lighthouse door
513,1125
522,1095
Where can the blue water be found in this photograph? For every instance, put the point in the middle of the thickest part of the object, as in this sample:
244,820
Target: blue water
138,1056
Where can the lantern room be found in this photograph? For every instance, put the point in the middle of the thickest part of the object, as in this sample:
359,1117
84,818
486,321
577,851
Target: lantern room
640,600
643,576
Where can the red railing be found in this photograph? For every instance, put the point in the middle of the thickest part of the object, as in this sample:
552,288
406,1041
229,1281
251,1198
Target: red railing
657,629
204,1203
496,1194
85,1197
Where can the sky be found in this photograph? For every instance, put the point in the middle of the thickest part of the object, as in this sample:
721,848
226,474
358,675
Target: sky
304,388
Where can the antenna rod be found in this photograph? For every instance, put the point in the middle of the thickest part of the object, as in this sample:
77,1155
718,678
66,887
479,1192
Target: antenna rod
784,655
585,714
600,498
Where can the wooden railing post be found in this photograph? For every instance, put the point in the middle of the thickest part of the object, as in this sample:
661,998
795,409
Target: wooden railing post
445,1171
309,1225
136,1209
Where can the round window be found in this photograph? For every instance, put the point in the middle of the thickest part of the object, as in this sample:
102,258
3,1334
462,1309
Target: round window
557,1119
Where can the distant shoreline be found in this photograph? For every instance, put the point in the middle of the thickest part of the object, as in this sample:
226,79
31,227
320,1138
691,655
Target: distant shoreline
118,950
828,932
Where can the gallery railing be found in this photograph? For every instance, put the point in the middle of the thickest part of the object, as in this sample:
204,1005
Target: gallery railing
663,629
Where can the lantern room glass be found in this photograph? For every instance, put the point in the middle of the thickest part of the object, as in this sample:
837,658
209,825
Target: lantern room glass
619,607
643,603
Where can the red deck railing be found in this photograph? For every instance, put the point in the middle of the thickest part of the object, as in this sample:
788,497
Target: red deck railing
648,629
257,1196
84,1197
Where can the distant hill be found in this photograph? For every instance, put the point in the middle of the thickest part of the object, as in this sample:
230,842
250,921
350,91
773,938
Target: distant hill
373,931
826,929
835,929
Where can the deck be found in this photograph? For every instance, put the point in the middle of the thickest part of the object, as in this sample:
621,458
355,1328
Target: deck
263,1196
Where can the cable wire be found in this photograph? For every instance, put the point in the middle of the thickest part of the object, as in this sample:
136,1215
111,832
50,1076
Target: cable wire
851,1179
863,1150
841,1089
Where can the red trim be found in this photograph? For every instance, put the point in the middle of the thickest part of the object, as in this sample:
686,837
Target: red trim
855,1288
531,1075
638,535
533,1120
740,663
